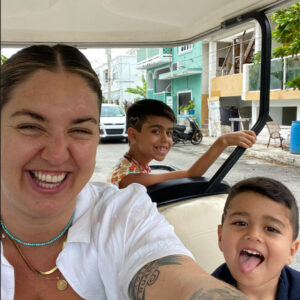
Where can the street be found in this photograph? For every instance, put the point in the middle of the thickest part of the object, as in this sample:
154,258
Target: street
182,156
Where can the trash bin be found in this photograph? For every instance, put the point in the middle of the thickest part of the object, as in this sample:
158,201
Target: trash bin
295,137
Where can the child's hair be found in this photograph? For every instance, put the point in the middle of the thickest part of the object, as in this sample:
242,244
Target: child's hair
138,112
270,188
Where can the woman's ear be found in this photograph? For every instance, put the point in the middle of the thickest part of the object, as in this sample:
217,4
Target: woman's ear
131,132
220,236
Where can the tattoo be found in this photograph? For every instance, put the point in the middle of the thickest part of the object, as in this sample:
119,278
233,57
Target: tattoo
227,293
148,275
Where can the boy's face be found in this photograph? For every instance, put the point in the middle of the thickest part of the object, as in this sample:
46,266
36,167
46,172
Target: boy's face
256,240
154,141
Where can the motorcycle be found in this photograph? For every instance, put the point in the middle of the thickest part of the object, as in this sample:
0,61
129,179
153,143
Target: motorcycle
193,134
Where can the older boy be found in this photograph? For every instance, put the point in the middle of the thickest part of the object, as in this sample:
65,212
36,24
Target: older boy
150,125
258,238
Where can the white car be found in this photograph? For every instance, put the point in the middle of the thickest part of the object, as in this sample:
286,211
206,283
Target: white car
112,122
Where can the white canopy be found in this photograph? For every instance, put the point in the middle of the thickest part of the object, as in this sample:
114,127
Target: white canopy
119,23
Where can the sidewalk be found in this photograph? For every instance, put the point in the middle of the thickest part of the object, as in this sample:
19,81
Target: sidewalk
260,151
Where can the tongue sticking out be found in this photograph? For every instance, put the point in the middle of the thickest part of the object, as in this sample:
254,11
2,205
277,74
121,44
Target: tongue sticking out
248,262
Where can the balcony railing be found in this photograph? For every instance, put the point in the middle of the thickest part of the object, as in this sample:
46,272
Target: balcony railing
148,57
282,71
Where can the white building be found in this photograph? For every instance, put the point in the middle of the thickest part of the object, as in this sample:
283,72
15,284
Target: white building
124,74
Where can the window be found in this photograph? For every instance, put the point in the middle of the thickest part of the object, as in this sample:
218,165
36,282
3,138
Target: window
105,75
185,48
115,74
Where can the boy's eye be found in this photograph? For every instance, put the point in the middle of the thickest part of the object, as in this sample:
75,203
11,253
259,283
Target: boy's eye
155,131
240,223
272,229
169,133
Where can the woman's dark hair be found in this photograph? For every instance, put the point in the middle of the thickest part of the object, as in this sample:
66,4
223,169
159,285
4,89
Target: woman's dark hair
270,188
28,60
138,112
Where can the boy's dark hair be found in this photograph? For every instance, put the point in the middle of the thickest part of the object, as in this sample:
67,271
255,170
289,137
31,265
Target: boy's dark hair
270,188
138,112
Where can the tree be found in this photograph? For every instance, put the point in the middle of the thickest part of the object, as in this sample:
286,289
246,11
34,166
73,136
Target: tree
141,91
287,32
3,58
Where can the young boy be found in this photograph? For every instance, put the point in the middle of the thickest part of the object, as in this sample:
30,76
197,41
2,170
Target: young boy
258,238
150,126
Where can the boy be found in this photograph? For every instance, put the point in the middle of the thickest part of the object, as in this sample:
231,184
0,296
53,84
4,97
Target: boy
150,126
258,238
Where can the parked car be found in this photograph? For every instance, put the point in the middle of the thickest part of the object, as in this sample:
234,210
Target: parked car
112,122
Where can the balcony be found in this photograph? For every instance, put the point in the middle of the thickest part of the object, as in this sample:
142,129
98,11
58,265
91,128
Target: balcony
152,57
182,68
282,70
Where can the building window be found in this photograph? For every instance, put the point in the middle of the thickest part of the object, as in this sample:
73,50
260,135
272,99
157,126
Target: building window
115,74
105,75
185,48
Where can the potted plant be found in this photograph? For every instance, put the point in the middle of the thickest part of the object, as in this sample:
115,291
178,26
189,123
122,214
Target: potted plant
191,107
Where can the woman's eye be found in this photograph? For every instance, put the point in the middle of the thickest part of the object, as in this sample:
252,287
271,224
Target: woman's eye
81,131
272,229
29,128
156,131
169,133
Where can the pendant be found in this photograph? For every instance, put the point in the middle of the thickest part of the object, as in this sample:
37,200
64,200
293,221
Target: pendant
61,284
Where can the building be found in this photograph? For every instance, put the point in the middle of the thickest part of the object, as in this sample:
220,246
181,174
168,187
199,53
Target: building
232,81
124,74
174,76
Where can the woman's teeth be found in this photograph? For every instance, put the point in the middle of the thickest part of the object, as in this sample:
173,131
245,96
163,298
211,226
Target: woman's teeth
48,180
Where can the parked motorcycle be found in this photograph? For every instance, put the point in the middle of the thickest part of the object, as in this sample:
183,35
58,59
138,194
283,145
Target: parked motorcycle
193,134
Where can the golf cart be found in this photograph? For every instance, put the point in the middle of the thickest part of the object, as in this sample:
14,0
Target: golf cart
194,205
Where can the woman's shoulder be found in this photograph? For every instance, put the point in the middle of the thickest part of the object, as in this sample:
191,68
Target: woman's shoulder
100,194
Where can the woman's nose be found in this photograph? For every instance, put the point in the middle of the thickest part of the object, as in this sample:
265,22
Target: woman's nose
56,151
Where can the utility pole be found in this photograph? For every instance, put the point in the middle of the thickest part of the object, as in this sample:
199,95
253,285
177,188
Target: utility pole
108,55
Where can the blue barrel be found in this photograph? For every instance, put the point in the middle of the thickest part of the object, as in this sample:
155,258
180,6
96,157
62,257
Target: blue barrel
295,137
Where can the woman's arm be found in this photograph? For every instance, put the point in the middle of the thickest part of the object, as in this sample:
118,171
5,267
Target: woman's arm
178,277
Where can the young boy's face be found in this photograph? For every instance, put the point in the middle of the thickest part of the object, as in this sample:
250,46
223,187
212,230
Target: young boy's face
154,141
256,240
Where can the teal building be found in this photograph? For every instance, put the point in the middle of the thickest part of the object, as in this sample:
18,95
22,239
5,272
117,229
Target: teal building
174,76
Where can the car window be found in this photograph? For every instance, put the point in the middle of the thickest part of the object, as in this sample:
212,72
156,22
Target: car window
112,111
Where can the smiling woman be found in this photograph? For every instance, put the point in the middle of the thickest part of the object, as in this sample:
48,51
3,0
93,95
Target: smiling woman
60,233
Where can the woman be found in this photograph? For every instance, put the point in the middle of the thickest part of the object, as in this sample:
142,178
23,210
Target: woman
62,237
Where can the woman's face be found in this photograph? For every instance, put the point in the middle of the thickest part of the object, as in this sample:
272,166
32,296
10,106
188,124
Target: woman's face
49,138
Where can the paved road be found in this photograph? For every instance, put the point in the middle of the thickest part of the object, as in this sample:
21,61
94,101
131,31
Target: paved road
182,156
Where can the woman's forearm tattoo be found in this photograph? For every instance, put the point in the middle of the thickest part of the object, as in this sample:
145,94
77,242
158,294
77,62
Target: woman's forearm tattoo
148,276
227,293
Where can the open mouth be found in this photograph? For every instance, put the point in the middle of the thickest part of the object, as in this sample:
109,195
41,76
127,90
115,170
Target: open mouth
249,260
48,180
162,149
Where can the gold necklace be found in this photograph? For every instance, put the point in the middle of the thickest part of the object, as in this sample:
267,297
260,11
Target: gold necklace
61,283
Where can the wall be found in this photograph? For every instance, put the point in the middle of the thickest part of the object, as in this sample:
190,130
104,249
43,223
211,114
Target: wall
226,86
188,83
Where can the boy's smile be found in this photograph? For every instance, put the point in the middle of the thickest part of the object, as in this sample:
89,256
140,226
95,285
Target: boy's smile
256,240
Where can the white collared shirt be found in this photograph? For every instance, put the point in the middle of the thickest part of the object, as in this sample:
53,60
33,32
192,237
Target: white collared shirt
114,234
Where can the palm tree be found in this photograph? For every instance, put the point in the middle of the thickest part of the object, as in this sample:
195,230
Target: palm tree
141,91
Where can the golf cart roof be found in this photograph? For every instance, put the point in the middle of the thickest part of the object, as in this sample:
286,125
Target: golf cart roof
119,23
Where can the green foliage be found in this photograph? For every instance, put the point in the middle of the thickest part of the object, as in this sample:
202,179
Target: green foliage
142,91
287,32
191,105
3,58
294,83
255,58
